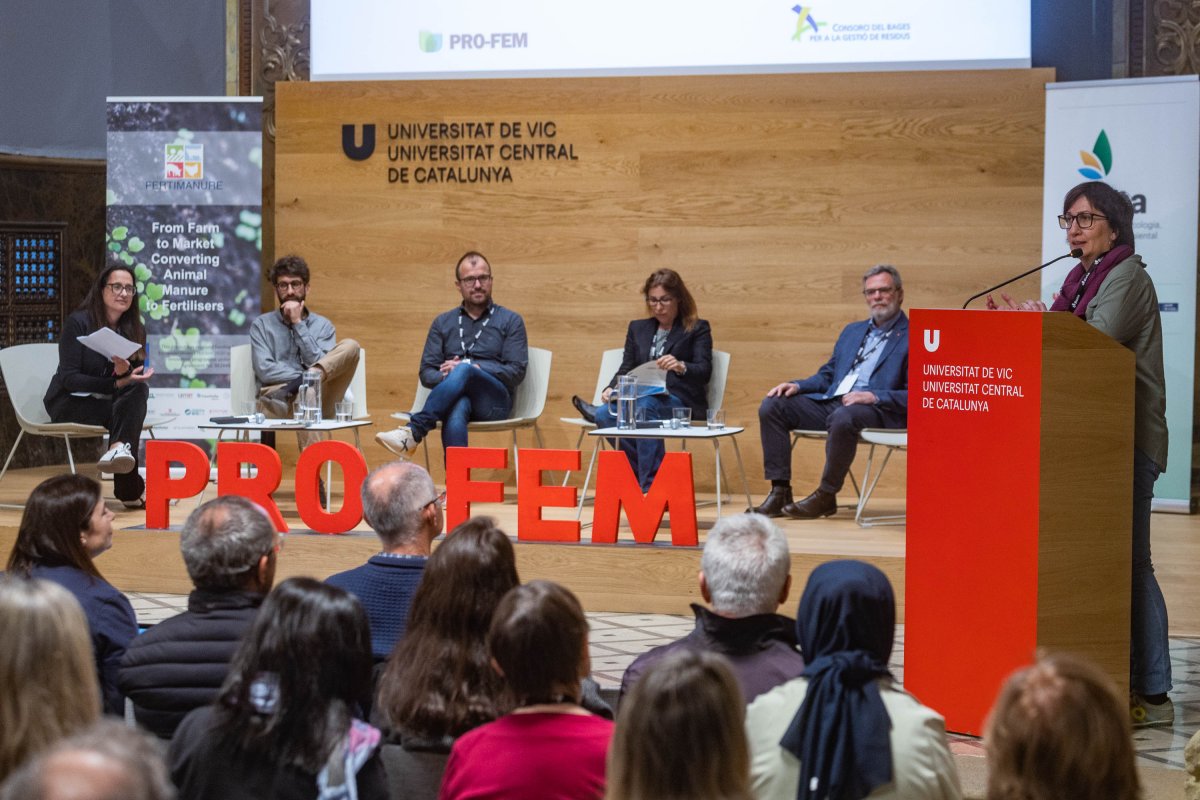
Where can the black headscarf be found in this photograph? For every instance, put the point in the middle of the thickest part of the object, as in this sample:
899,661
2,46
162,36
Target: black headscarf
845,625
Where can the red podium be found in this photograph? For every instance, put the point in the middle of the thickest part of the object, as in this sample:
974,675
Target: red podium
1020,457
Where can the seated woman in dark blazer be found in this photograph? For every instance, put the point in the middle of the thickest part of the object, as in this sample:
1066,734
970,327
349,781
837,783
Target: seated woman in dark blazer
91,389
678,341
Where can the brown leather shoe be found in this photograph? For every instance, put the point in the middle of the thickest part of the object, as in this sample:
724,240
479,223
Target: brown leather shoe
779,497
816,505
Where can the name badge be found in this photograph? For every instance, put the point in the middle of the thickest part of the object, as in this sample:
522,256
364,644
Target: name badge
846,385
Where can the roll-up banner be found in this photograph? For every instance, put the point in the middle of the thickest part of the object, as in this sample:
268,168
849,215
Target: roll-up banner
1141,136
185,216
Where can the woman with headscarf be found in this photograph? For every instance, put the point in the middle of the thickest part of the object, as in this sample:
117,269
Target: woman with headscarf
845,729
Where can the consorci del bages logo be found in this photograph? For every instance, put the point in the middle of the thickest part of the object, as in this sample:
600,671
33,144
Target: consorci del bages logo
805,22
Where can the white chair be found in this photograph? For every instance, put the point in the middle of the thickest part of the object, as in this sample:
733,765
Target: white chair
243,390
529,401
27,370
892,440
718,378
716,395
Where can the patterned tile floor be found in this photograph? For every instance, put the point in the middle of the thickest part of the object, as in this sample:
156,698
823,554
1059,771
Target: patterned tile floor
617,639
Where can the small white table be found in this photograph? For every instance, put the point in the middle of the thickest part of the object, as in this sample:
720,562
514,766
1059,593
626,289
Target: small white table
325,427
692,432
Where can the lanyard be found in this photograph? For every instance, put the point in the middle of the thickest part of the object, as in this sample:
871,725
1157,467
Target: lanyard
1084,282
861,356
462,342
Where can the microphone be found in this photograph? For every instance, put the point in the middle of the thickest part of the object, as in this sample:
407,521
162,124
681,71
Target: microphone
1075,253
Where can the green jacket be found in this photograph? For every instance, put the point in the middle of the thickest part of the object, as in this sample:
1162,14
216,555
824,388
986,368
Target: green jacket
1126,308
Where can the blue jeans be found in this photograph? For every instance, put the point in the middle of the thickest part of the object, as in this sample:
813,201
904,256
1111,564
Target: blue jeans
1149,650
645,455
466,393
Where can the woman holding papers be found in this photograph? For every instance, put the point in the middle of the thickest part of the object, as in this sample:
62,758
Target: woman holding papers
95,389
1112,291
679,343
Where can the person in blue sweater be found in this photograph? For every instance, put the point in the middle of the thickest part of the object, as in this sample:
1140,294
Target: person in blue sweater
402,506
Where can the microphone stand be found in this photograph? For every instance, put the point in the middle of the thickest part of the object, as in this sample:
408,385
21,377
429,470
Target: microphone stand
1076,253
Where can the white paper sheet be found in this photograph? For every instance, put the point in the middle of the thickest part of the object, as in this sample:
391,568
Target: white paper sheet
109,343
649,374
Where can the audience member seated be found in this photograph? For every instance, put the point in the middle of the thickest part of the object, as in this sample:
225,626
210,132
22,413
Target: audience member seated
107,761
439,683
48,684
1060,729
229,546
678,341
65,525
91,389
549,746
680,733
845,729
402,506
283,725
744,577
1191,763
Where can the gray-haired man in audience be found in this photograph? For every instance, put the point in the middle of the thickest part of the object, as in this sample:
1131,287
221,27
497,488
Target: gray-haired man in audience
401,504
107,761
229,546
744,576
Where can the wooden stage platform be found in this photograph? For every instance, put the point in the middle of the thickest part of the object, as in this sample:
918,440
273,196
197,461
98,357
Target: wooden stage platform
625,577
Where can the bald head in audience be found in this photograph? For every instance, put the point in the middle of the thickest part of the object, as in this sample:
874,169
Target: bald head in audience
109,761
401,505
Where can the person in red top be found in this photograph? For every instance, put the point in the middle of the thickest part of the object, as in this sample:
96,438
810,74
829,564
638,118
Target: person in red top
549,747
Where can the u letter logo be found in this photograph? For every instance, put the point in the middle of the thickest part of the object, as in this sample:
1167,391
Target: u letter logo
358,152
933,340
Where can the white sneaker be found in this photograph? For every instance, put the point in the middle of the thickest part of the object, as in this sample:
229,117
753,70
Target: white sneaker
117,461
1143,713
400,441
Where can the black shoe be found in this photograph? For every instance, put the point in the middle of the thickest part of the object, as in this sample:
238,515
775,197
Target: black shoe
779,497
816,505
586,410
321,494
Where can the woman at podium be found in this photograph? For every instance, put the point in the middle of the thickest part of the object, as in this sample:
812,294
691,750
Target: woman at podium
1110,289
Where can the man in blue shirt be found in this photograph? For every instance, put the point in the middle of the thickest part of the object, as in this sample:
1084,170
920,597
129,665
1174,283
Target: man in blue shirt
475,356
402,506
863,385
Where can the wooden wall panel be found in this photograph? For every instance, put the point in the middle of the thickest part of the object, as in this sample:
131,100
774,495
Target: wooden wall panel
770,194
